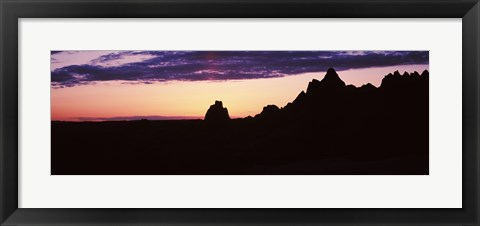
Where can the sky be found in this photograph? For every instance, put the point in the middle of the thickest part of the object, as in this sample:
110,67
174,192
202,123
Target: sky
125,85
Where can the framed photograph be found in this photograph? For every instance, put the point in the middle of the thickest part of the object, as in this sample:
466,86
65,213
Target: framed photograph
122,113
239,112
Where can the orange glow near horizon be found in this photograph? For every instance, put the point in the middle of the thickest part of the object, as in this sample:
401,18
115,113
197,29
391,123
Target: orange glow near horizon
192,99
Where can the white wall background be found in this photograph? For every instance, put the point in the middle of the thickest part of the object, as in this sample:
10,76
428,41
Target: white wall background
441,189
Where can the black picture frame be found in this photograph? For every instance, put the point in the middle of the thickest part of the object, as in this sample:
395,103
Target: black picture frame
12,10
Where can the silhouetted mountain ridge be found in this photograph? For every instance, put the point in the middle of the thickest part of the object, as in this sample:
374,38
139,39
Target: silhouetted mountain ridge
332,93
331,97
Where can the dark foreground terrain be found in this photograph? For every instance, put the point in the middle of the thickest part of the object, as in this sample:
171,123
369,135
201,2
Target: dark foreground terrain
332,129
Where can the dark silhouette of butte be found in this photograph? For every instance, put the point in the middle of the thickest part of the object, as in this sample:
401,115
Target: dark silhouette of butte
332,128
217,113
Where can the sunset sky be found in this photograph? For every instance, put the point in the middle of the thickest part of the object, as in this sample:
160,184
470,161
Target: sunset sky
124,85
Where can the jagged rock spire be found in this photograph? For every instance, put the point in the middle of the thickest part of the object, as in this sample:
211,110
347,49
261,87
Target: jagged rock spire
332,79
425,73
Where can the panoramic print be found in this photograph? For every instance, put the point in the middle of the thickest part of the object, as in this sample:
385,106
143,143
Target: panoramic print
239,112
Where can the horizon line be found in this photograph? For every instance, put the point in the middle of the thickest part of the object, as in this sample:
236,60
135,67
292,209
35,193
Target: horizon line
135,118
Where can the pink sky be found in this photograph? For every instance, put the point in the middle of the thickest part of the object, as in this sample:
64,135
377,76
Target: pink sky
102,100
